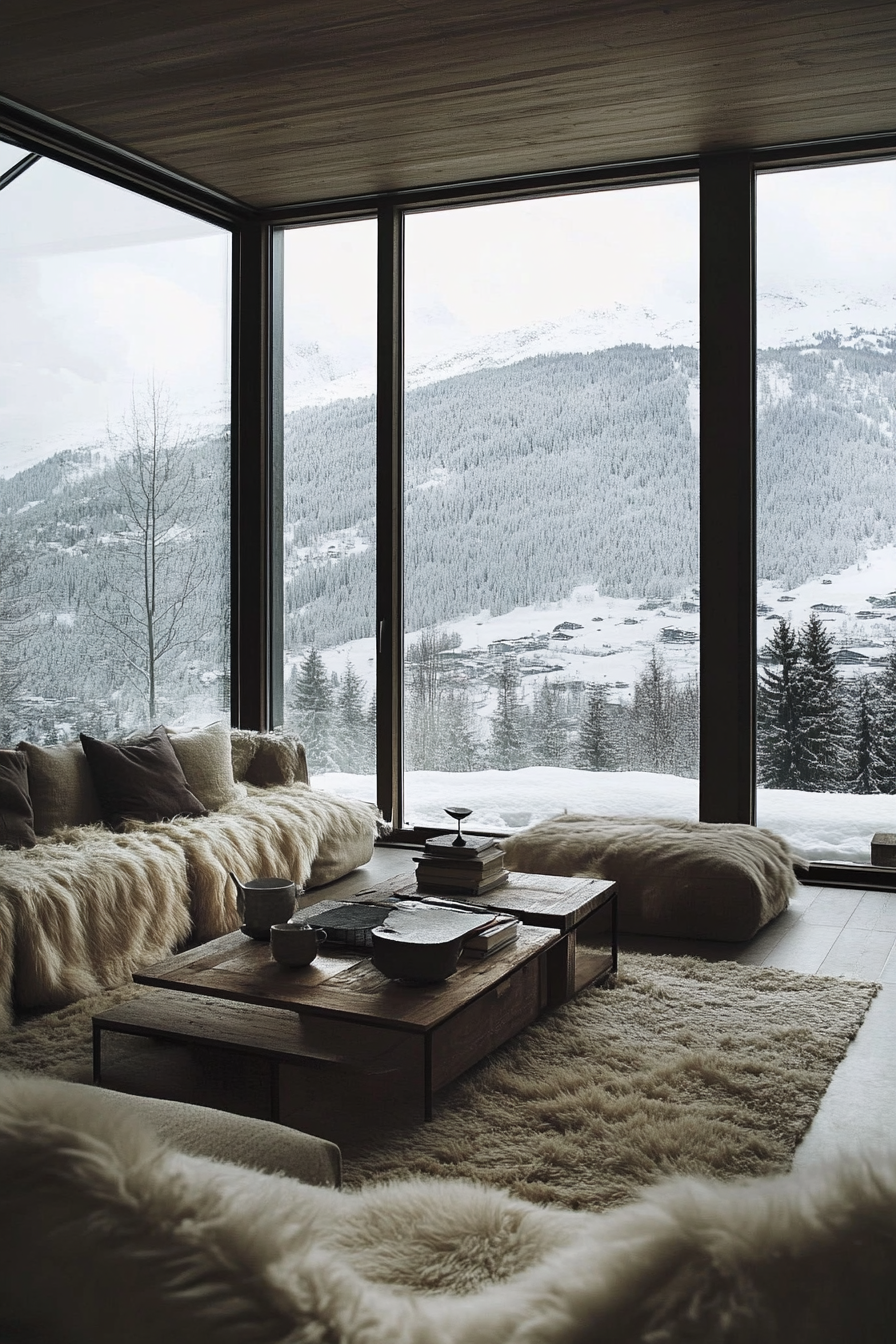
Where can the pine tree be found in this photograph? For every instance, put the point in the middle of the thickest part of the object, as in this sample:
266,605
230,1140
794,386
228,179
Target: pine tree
652,718
351,738
550,730
506,749
867,765
778,710
313,705
596,748
459,745
885,726
822,738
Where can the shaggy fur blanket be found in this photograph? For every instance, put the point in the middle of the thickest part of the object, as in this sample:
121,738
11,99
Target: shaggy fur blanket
107,1234
86,907
684,879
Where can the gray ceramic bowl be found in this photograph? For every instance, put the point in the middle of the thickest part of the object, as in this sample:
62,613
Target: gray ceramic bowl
416,963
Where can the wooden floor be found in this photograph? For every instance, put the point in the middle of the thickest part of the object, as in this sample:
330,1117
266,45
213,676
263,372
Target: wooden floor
832,931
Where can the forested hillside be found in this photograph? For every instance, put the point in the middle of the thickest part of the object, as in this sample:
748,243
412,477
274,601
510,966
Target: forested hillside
73,625
527,480
522,482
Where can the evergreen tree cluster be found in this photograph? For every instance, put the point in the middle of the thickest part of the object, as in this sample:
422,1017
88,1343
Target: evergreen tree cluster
817,731
450,727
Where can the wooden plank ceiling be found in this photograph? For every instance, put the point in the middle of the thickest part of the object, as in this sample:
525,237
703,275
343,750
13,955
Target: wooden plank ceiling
280,101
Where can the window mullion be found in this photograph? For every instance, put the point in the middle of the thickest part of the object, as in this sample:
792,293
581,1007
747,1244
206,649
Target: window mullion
727,489
389,512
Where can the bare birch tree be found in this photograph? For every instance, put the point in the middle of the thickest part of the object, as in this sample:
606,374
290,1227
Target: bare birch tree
156,563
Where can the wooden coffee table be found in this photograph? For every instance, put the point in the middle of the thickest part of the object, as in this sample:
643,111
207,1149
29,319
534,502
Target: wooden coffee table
341,1013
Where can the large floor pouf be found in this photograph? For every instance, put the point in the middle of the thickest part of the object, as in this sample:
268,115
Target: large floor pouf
677,879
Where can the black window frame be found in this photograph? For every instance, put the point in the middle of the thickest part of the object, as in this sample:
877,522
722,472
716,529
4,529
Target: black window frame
728,425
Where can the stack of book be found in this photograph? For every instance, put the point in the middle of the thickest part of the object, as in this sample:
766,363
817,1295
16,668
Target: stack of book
502,930
470,869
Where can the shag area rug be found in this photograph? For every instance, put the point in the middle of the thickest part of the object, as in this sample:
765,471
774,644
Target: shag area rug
686,1067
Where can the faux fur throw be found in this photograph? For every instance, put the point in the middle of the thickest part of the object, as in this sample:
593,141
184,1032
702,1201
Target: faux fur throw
86,907
107,1234
80,915
274,832
685,879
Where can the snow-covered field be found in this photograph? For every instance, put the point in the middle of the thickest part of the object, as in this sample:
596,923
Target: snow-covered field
612,637
830,826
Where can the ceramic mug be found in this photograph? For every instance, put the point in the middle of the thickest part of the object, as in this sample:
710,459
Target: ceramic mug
264,901
295,944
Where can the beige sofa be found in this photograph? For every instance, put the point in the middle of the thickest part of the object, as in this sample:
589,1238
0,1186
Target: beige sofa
87,906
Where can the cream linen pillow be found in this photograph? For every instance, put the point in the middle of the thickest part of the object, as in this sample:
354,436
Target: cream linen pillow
204,756
61,787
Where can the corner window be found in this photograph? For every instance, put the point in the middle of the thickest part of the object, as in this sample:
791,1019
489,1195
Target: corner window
114,459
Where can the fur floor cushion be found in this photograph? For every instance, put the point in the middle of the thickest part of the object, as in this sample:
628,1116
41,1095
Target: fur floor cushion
684,879
107,1234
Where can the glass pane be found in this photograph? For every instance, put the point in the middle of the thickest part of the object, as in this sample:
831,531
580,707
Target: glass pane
826,597
329,507
552,609
114,460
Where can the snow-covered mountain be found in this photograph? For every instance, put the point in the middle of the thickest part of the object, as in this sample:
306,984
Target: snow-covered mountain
440,349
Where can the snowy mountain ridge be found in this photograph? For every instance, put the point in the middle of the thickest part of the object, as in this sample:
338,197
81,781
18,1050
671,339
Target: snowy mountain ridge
316,377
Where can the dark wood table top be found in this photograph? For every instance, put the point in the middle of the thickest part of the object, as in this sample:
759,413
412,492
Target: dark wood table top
338,984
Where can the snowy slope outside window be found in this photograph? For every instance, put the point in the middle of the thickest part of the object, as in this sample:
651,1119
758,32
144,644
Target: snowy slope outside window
552,612
114,459
826,509
329,504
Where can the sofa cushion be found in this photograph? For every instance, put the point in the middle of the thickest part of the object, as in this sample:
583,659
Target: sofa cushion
60,786
140,779
205,758
16,812
268,760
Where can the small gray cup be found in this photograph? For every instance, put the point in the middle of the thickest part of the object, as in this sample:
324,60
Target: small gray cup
295,944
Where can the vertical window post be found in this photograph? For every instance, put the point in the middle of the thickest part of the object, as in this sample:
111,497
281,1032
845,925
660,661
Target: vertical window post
257,668
727,489
389,513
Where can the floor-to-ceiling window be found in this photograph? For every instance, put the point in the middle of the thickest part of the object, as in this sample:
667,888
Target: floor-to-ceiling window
826,506
552,613
329,499
114,458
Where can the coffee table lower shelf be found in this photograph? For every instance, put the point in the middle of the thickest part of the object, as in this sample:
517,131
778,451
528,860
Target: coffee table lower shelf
296,1036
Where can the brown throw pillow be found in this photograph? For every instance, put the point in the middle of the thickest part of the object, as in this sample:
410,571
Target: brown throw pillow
16,813
141,779
61,787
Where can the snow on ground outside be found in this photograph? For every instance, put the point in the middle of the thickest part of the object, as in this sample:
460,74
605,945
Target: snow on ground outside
608,650
821,826
874,575
615,647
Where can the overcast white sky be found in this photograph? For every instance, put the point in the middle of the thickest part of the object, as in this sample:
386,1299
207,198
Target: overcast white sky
101,288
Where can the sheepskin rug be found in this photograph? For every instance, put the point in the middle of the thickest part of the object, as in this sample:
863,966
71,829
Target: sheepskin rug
678,879
108,1234
87,907
686,1067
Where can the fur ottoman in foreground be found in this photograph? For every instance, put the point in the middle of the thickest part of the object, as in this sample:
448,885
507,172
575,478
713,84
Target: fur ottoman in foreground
677,879
107,1234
